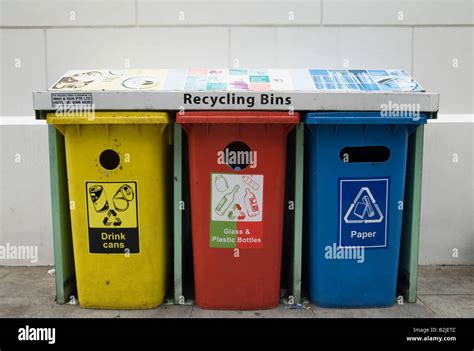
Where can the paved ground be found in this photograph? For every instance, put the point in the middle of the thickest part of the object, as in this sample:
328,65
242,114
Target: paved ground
443,291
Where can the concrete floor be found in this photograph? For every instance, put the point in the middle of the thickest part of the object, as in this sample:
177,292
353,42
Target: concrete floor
443,291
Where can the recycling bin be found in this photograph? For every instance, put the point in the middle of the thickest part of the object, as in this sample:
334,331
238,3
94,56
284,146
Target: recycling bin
117,169
237,179
355,179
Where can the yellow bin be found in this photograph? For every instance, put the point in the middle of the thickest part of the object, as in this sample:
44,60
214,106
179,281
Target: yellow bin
118,177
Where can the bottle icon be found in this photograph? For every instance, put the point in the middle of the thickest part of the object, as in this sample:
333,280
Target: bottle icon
250,182
226,201
251,204
221,183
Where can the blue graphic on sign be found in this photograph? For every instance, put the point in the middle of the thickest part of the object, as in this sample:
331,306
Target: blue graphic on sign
363,80
363,210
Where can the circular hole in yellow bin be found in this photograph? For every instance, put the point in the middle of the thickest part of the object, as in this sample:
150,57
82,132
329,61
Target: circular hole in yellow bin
109,159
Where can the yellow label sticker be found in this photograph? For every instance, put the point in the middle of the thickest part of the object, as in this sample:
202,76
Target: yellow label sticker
112,217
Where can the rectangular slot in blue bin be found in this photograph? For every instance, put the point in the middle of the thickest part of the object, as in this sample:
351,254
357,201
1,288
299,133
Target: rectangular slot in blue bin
355,179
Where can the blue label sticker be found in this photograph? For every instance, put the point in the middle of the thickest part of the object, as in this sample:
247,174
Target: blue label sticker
363,211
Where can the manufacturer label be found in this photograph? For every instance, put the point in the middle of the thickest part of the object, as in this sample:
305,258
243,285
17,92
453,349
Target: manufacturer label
71,99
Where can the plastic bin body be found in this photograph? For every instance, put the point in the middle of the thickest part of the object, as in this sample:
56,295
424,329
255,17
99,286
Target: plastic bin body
119,213
348,269
243,273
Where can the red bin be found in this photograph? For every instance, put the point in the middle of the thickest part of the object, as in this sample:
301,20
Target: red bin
237,178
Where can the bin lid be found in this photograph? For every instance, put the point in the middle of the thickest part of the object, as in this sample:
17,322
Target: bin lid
109,117
237,117
224,89
365,118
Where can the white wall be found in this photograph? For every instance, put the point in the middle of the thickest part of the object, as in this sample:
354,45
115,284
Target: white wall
432,39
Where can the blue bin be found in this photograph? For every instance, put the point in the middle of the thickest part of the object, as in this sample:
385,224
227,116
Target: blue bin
355,179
